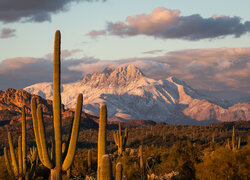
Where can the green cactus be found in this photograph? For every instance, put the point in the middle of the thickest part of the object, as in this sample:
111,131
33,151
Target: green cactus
120,139
89,160
61,162
105,168
213,137
141,157
233,140
118,171
102,136
238,144
19,168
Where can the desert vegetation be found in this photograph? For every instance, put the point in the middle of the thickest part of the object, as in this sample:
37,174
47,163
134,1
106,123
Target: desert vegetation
159,151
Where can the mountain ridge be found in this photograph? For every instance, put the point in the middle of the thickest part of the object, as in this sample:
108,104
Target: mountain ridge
130,95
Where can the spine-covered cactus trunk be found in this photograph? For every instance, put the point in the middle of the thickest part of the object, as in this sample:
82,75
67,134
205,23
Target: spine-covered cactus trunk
102,136
120,139
105,168
60,162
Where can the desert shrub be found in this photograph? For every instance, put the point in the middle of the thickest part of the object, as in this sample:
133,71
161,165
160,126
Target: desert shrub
223,163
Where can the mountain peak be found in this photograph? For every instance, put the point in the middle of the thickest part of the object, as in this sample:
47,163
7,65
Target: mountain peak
119,76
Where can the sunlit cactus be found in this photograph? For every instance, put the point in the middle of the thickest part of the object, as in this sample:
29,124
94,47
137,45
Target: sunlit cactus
233,140
118,171
105,168
89,160
61,162
102,136
141,157
18,167
120,139
238,144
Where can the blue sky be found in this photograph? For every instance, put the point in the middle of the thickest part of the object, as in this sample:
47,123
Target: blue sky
26,40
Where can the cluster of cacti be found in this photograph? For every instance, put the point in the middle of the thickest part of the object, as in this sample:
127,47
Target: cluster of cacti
19,168
234,146
102,137
106,169
60,161
120,139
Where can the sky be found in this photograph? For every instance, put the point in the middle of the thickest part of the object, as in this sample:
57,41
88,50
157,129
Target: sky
204,43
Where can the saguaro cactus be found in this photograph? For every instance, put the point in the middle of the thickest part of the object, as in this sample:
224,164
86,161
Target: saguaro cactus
89,160
233,139
118,171
106,168
141,157
102,136
19,168
120,139
60,161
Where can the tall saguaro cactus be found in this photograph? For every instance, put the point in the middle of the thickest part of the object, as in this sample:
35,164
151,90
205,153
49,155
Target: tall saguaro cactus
120,139
102,136
18,168
61,162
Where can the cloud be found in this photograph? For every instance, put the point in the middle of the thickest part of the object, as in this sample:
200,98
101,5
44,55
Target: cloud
156,51
7,33
64,53
146,65
169,24
215,69
32,11
96,33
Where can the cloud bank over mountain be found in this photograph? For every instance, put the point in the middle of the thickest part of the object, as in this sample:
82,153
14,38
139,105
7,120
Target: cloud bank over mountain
169,24
215,69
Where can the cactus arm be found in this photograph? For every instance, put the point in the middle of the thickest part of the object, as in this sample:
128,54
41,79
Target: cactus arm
120,129
106,168
57,105
89,160
24,139
233,140
120,148
238,143
74,135
31,172
19,151
13,157
118,171
7,162
116,138
42,137
35,127
63,147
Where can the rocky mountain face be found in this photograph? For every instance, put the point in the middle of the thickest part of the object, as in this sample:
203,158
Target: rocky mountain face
11,102
130,95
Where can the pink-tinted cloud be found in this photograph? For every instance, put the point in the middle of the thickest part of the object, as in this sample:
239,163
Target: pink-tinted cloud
64,53
96,33
7,33
169,24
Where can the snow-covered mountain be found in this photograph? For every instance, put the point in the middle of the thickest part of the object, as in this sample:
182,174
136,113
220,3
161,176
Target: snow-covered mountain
131,95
